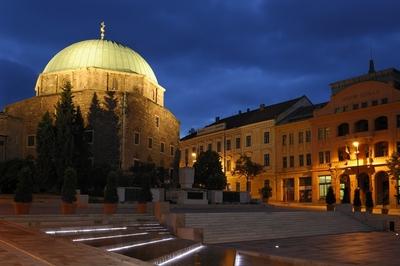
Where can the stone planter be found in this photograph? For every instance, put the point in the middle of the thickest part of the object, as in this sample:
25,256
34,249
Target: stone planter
22,207
141,207
330,207
110,208
68,208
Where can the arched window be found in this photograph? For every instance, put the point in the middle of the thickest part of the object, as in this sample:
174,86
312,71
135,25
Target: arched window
343,129
361,126
381,123
381,149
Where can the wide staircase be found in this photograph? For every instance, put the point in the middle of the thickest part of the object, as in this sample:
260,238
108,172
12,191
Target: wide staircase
247,226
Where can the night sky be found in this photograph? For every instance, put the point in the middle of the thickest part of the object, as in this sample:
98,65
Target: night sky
213,57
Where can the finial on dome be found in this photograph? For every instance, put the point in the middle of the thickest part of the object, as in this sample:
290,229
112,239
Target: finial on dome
371,63
102,30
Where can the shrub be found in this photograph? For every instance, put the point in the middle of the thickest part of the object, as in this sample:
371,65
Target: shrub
330,197
110,191
357,200
369,202
266,192
24,189
68,191
346,195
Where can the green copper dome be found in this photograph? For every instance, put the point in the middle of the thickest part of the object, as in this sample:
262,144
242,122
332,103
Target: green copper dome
102,54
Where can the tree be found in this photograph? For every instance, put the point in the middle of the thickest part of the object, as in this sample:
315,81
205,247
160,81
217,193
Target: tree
330,196
110,191
24,191
394,171
248,169
81,150
45,148
64,140
68,191
208,171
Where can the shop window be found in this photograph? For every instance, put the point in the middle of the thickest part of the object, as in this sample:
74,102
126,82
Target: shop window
381,149
361,126
324,183
343,129
305,189
381,123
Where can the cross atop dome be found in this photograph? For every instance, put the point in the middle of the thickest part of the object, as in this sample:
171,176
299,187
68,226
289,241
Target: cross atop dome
102,30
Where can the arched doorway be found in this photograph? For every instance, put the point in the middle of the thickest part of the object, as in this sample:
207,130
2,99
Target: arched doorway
381,187
363,184
344,185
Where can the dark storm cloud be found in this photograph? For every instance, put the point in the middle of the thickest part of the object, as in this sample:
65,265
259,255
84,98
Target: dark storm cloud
214,57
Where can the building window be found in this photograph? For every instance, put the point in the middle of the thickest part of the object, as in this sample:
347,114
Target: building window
381,123
248,141
384,101
381,149
209,146
162,147
398,146
308,159
291,161
327,157
308,136
218,146
237,143
374,103
355,106
266,137
228,165
150,143
364,104
171,150
266,159
321,157
291,139
89,136
284,140
228,144
343,129
157,121
324,183
201,148
343,153
284,162
361,126
136,138
301,137
301,160
323,133
31,139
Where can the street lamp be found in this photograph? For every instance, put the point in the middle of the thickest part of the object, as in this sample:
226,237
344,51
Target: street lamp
356,144
194,157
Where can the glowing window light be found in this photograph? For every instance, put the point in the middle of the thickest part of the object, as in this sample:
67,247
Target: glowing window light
181,255
85,230
107,237
141,244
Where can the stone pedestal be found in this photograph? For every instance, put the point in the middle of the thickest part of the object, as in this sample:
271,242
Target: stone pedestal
158,194
215,196
186,177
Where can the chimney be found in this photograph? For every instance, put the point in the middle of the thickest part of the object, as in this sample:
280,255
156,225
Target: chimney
262,106
217,119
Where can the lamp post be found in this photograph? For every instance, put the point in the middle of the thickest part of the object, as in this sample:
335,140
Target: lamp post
356,144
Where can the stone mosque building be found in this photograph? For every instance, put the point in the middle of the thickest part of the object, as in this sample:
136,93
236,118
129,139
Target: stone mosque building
148,131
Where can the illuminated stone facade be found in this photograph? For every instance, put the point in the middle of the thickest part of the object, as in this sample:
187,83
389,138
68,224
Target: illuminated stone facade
147,131
313,147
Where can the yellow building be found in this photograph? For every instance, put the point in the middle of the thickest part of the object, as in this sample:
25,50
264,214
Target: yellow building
251,133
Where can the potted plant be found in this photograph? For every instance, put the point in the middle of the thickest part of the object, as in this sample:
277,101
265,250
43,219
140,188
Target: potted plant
110,194
68,191
330,199
23,193
346,196
369,202
144,197
266,193
357,200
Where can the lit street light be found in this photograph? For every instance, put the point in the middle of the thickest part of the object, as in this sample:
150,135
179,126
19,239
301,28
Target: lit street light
356,144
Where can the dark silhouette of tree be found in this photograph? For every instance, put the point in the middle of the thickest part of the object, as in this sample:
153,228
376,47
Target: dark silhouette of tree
208,171
248,169
45,148
65,113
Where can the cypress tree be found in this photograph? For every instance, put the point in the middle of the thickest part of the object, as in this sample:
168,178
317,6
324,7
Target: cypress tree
65,114
45,148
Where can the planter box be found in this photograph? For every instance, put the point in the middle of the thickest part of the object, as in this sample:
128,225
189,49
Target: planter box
215,196
158,194
121,194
